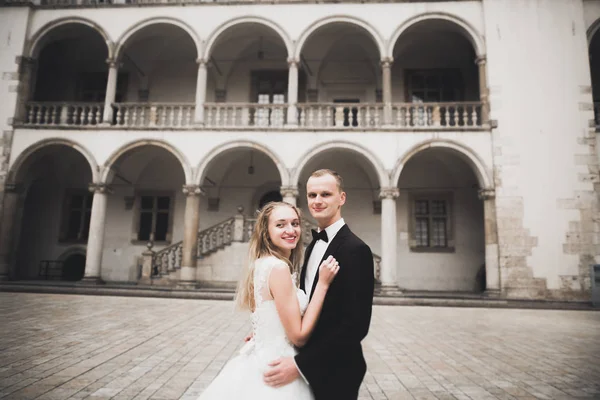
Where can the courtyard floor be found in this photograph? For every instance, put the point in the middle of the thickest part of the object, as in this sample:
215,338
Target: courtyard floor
56,346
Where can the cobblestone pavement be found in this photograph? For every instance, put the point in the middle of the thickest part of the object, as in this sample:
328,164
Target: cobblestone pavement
79,347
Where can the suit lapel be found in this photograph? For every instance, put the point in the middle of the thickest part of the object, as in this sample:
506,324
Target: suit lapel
331,249
307,254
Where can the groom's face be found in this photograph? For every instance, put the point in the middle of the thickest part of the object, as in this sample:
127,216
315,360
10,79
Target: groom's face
325,200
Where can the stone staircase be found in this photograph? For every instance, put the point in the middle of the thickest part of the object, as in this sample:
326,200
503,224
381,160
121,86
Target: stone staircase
215,268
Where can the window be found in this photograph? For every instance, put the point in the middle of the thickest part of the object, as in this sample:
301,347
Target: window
76,216
431,223
154,217
434,85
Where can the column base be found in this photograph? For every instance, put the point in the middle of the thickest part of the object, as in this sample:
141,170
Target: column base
92,280
389,290
495,293
186,285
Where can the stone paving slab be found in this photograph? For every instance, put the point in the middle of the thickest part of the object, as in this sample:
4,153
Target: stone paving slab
101,347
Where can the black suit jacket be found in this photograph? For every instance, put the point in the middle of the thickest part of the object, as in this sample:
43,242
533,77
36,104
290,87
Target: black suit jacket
332,360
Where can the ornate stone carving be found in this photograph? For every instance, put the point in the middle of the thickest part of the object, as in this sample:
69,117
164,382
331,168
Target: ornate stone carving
486,193
293,62
101,188
480,60
389,193
289,191
112,63
193,190
387,62
201,62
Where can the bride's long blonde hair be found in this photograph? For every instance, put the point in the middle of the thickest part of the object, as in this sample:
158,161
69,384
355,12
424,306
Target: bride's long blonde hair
262,246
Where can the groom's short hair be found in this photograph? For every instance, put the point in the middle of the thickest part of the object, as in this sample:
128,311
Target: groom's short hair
322,172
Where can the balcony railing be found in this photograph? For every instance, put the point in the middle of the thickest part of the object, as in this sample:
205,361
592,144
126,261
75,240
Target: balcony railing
147,115
63,114
311,116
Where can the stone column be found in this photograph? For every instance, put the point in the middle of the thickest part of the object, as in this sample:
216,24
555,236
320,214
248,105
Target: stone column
481,62
290,194
292,111
95,244
389,238
7,229
200,91
187,277
386,66
111,92
492,267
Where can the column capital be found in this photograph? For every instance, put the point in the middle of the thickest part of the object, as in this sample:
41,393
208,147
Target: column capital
112,63
293,62
23,60
201,62
389,193
486,193
289,191
387,62
101,188
479,60
193,190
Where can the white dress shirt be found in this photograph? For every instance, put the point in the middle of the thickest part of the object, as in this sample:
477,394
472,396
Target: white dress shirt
318,251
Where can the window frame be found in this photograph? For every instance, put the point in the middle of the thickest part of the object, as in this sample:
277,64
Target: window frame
448,198
66,212
137,208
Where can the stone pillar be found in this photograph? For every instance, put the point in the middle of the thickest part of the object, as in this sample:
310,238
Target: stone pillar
481,62
147,258
27,78
111,92
492,267
95,244
187,277
7,229
389,238
290,194
200,92
292,111
386,66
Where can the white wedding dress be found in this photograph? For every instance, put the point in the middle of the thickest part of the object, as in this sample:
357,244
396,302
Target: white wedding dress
242,376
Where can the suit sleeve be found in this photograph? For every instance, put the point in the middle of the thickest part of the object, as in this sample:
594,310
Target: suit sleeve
358,280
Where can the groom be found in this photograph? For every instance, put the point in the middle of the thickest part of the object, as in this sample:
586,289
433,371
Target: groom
332,360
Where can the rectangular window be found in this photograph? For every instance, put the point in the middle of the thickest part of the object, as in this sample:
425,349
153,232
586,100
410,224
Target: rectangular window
431,223
76,216
434,85
154,217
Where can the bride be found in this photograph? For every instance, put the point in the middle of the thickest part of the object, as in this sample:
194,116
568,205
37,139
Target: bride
281,315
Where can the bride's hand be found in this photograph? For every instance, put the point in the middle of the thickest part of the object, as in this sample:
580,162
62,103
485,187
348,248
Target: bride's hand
328,270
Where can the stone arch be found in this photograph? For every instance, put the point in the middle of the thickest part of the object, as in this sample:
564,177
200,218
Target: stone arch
185,165
205,162
243,20
153,21
469,156
382,175
592,30
471,33
25,154
34,43
340,19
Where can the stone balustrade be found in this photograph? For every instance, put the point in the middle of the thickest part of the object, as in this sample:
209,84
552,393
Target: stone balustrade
344,116
149,115
136,3
63,114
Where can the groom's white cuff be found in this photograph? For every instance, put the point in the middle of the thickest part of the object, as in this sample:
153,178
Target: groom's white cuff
300,372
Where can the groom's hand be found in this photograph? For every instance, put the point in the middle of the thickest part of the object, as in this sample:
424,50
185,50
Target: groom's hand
282,372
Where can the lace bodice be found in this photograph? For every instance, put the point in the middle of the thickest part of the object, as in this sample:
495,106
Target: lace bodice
270,341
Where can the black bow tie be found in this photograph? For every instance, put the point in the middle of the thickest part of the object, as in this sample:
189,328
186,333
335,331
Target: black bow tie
319,235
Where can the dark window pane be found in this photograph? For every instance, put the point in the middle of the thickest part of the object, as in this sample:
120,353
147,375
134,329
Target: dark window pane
147,202
73,225
422,232
162,225
421,207
76,201
438,207
438,238
163,203
145,226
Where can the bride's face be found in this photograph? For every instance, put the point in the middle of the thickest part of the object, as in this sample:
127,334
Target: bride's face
284,229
